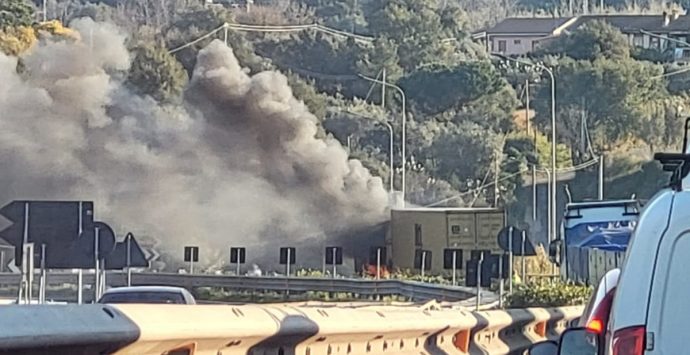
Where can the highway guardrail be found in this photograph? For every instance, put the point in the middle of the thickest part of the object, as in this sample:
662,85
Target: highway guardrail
412,290
275,329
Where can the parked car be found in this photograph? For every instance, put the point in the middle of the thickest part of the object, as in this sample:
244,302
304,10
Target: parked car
148,294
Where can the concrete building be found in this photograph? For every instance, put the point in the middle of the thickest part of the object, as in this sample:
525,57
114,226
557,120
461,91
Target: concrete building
521,35
434,230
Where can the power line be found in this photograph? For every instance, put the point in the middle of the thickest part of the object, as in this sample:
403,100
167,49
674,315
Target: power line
197,40
276,28
582,166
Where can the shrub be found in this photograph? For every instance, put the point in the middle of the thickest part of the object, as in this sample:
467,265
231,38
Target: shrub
547,294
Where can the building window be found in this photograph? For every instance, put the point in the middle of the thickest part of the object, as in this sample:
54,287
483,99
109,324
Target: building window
655,43
638,41
517,42
418,235
501,46
455,229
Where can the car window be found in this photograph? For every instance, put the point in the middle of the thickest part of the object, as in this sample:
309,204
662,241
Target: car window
143,297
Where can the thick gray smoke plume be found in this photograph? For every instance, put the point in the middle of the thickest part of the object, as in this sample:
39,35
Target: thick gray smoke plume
237,164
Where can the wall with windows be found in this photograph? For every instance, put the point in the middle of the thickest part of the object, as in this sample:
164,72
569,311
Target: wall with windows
513,44
434,230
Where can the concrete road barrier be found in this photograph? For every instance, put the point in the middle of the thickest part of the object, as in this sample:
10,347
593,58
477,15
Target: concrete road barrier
305,329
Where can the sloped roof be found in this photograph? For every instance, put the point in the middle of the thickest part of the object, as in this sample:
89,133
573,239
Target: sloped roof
528,25
635,23
625,23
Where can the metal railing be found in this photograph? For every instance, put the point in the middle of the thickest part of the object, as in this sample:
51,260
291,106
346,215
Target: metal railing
417,291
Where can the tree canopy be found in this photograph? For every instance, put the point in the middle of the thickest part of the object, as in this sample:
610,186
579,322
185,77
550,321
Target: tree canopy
15,13
156,73
466,113
594,40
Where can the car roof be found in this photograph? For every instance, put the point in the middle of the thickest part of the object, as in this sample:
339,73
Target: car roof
146,289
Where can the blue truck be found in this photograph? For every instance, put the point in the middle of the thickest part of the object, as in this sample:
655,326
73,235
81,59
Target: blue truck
593,238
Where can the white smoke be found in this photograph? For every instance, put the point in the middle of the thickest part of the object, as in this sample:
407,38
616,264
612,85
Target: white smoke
237,164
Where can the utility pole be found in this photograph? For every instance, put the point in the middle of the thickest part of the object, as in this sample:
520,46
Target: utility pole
496,180
553,178
45,11
534,192
601,177
354,18
404,130
383,91
527,119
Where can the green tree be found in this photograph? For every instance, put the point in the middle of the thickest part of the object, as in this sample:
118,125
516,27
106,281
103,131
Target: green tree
401,19
424,31
463,155
313,52
346,15
330,61
518,154
494,111
602,103
304,90
382,54
15,13
563,154
195,22
156,73
596,39
437,89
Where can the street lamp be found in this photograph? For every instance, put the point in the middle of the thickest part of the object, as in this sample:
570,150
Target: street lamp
404,120
554,179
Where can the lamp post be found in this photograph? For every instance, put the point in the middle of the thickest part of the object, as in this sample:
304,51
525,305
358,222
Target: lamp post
552,230
404,131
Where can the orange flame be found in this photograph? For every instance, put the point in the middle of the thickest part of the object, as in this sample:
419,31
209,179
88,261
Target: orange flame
370,271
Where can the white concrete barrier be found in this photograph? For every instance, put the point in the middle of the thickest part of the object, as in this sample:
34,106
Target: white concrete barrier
322,329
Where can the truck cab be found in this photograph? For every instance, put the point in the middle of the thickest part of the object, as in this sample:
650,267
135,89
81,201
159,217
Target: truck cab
593,238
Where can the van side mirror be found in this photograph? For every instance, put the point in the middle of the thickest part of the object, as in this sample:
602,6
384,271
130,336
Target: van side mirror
555,252
579,341
544,348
